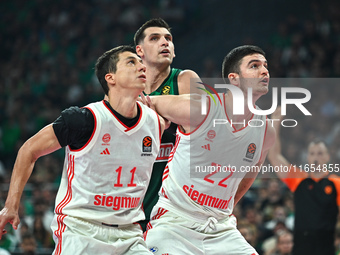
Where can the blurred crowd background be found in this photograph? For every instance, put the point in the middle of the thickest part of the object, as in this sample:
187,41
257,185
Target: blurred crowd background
48,50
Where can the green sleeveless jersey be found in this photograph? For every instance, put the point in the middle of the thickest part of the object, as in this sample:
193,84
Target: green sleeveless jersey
168,87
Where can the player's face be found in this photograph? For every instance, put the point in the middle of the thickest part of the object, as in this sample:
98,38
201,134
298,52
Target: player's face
318,154
254,74
157,47
130,71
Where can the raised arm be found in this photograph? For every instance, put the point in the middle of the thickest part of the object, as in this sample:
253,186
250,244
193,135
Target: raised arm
275,156
43,143
250,177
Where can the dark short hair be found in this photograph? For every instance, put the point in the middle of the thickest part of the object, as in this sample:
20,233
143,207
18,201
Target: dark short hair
158,22
282,233
232,61
318,141
107,63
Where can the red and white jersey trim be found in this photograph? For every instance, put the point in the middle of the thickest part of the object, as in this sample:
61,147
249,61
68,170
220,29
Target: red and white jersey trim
111,173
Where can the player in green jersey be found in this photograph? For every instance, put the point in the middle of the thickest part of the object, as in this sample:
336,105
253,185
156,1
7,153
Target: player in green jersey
154,44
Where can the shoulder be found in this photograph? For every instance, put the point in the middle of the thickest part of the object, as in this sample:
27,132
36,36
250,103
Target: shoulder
146,109
75,110
186,75
77,117
150,112
335,179
188,81
74,126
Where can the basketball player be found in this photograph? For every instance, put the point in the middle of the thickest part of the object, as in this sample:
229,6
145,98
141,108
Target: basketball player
316,196
110,149
154,44
194,211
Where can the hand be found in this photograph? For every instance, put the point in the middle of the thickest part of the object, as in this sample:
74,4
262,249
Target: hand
8,215
146,100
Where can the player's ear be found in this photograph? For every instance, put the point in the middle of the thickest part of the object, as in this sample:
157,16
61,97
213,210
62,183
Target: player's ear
110,79
139,50
234,79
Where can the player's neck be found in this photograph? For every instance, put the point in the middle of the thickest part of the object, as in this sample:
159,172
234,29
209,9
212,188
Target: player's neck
239,117
155,77
124,105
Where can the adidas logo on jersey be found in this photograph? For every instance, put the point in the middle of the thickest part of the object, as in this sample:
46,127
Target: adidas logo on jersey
105,152
207,147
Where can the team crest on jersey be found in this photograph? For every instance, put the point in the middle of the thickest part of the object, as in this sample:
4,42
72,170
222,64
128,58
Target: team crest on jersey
251,151
106,139
166,90
210,135
147,144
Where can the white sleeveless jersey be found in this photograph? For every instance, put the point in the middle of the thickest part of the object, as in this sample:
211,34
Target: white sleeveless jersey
206,166
105,181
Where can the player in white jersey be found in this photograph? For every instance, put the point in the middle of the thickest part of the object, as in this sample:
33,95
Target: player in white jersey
110,150
207,172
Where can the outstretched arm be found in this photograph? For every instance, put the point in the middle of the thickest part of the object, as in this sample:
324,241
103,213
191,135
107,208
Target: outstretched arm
184,110
43,143
250,177
275,156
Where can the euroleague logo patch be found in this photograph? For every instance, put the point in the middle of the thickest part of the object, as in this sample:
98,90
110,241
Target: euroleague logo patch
166,90
147,144
251,151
